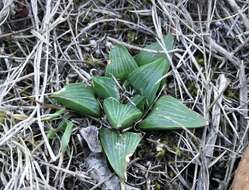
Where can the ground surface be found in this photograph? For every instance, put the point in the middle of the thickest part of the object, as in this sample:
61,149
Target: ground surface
45,44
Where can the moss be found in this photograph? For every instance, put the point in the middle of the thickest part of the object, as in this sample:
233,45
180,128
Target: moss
232,93
131,36
160,152
157,186
192,88
2,117
89,60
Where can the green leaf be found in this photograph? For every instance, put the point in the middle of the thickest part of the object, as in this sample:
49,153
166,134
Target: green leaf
78,98
53,131
146,78
105,87
66,136
138,101
144,57
120,115
170,113
118,148
122,63
55,115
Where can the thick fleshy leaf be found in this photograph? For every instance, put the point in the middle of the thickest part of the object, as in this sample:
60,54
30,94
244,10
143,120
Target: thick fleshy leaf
120,115
66,136
170,113
118,148
144,57
146,78
138,101
105,87
78,98
122,63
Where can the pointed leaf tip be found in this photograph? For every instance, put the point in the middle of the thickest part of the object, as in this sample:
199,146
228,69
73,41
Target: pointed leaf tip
120,115
170,113
105,87
78,98
122,63
118,148
146,78
144,57
138,101
66,136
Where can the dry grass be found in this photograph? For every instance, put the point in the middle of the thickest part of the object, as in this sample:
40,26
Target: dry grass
46,44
